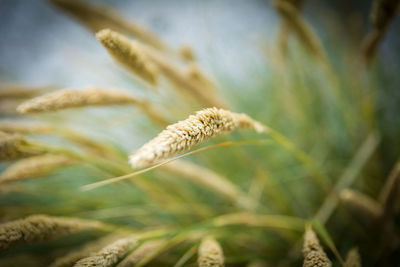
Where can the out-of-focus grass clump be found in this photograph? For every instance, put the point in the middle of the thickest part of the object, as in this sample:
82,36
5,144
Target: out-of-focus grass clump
316,180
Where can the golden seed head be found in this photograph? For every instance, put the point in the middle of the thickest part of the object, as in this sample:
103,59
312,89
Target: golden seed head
37,228
140,253
109,255
129,54
181,136
33,167
353,258
10,147
210,253
65,99
313,253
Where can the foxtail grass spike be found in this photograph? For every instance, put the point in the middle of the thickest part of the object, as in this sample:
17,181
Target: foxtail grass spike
181,136
65,99
129,54
141,252
11,147
38,228
109,255
33,167
210,253
313,253
24,127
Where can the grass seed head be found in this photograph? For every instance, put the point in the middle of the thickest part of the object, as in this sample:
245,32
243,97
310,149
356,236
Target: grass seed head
37,228
10,147
181,136
65,99
210,253
129,54
313,253
140,253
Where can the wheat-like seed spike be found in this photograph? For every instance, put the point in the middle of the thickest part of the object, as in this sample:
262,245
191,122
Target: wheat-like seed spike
129,54
37,228
10,147
210,253
109,255
181,136
97,17
300,27
87,250
65,99
21,91
353,258
313,253
33,167
361,203
23,127
140,253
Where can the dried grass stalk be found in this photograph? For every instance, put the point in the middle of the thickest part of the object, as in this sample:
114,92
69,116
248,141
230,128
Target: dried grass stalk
180,80
210,253
313,253
98,17
33,167
353,258
109,255
300,27
24,127
361,203
65,99
181,136
129,54
382,14
37,228
141,252
71,258
208,178
11,147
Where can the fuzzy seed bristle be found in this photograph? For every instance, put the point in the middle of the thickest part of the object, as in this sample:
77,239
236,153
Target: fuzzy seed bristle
65,99
210,253
109,255
181,136
129,54
97,17
33,167
10,147
140,253
313,253
37,228
353,258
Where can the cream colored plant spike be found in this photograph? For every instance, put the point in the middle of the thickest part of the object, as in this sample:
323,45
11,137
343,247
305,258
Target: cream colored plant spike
33,167
65,99
140,253
37,228
109,255
129,54
24,127
313,253
210,253
10,147
181,136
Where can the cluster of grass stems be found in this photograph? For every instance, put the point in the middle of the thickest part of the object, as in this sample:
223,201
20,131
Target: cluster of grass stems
294,174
